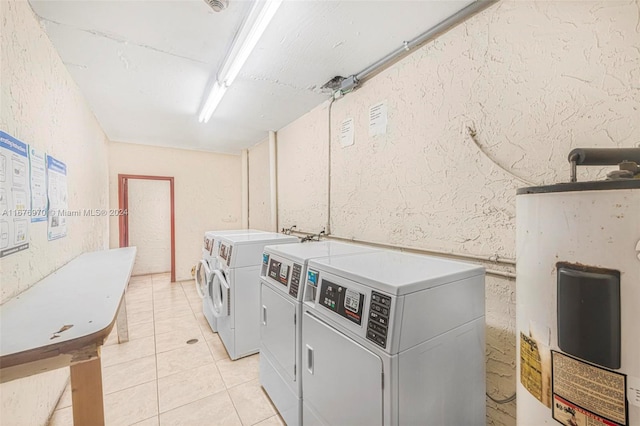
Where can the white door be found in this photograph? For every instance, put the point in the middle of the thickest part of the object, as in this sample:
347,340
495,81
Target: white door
277,329
341,379
149,218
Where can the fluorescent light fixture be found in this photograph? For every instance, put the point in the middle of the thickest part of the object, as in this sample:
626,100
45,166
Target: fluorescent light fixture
217,92
236,61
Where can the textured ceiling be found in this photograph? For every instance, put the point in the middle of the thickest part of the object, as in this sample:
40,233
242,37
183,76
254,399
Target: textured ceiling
144,65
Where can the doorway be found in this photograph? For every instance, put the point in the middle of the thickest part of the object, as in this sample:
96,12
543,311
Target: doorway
149,223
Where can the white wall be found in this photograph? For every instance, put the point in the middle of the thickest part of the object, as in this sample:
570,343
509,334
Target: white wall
149,211
41,105
207,193
259,187
533,79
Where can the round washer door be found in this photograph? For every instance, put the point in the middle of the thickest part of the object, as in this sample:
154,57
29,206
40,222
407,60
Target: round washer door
220,293
203,275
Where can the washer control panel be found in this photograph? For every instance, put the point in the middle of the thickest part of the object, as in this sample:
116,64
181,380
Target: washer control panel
295,280
279,272
341,300
378,325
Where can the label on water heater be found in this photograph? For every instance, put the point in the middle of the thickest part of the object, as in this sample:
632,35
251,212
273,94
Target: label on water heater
585,394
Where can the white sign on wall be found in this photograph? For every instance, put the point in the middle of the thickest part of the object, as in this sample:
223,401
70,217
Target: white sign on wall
346,133
57,191
14,195
38,184
378,119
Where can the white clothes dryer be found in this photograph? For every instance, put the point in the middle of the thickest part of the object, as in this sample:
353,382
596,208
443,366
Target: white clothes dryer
390,338
284,269
209,263
236,290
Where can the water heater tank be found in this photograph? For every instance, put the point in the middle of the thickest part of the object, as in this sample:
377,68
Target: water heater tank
578,304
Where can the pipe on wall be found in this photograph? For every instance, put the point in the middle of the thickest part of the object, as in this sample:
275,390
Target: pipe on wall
273,183
245,189
408,46
469,257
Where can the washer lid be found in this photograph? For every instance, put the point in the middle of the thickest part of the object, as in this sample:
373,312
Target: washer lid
301,252
397,273
220,233
264,237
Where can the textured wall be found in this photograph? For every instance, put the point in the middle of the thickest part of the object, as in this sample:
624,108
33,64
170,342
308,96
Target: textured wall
259,187
41,105
302,172
207,193
150,225
533,80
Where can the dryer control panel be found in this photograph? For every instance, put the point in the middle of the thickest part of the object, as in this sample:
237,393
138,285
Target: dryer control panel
341,300
379,312
279,272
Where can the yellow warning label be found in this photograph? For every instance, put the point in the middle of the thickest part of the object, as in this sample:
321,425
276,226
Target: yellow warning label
600,391
530,366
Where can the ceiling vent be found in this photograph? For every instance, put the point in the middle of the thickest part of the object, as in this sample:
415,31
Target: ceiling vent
217,5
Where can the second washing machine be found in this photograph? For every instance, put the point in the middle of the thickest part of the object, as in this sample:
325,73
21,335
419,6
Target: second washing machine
236,290
284,268
209,263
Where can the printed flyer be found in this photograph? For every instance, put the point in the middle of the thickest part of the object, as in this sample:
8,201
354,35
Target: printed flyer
15,199
58,203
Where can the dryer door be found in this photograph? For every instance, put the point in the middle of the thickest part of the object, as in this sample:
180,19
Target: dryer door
221,294
203,275
278,329
341,379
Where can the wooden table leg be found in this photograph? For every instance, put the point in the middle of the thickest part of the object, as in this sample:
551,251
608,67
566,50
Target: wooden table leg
121,322
86,393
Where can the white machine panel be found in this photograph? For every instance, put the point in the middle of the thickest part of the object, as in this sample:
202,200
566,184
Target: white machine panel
335,369
248,248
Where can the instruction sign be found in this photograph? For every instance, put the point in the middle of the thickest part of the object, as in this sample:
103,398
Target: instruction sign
530,366
57,191
378,119
14,195
38,184
587,395
346,133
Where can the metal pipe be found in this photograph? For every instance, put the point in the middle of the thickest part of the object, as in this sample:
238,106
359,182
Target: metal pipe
273,183
430,34
245,189
327,228
492,259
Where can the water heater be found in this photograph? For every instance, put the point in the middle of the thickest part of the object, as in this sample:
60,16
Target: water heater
578,297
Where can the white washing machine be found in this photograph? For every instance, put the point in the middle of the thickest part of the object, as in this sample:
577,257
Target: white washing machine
283,271
236,290
390,338
206,266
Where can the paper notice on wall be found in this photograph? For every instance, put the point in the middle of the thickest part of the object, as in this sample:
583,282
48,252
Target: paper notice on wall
38,184
57,192
346,133
378,119
598,393
14,195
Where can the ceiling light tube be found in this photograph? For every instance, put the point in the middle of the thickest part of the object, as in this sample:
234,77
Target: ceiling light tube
257,29
235,63
215,96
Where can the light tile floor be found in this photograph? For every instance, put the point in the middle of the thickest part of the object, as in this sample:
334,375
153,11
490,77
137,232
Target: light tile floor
158,379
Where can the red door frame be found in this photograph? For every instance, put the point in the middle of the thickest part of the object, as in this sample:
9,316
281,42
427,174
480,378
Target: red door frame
123,204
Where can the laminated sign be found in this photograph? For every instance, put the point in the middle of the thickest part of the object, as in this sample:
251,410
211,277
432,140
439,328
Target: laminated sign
587,395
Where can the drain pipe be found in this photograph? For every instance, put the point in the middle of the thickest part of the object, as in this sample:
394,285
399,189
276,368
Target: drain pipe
245,189
353,81
273,183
